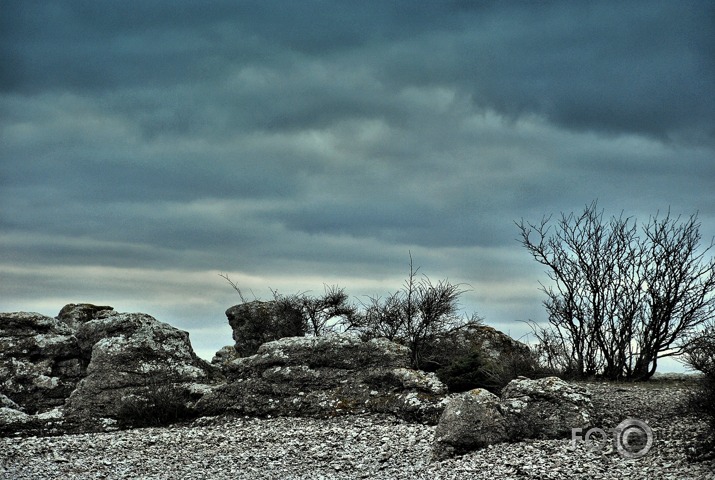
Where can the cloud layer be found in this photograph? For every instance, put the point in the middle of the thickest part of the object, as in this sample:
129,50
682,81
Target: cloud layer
145,147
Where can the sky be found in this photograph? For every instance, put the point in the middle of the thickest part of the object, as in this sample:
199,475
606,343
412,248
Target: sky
147,146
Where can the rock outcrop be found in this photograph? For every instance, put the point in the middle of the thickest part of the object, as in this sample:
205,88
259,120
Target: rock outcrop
546,408
131,353
255,323
494,346
41,361
75,314
327,376
86,363
92,366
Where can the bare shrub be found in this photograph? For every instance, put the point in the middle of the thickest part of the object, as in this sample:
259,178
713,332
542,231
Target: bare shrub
621,297
156,404
416,315
700,356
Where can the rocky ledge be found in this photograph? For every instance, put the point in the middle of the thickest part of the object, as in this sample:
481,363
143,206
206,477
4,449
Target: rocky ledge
92,368
363,446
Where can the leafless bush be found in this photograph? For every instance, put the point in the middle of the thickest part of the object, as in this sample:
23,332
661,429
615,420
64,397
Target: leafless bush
416,315
621,297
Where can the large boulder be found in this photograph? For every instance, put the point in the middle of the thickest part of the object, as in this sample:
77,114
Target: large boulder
40,360
488,341
255,323
547,408
133,355
470,421
477,356
75,314
327,376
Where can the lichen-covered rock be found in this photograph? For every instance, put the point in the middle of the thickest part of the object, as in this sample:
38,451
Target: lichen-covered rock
75,314
471,420
132,354
492,345
547,408
224,355
6,402
255,323
11,417
14,421
40,360
110,324
326,376
419,380
346,352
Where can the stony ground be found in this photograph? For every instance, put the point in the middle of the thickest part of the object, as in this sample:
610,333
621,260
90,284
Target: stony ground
363,447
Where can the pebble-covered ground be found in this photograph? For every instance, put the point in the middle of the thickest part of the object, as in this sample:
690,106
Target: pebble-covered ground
362,447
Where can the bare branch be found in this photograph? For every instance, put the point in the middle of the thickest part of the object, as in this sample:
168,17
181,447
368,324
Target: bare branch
234,285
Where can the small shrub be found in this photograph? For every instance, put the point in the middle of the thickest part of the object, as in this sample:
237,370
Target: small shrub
471,369
417,316
467,372
155,405
700,356
551,357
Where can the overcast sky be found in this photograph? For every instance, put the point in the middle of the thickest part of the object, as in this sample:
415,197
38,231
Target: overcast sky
147,146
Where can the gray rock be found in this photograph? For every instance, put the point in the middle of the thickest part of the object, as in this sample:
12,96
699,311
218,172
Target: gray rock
327,376
10,417
5,402
547,408
470,421
224,355
40,360
333,351
132,355
255,323
75,314
493,345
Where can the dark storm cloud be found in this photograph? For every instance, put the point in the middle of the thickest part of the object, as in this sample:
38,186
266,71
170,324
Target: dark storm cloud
609,66
295,143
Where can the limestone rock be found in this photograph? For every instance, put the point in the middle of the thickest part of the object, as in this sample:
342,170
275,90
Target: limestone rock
492,344
470,421
255,323
132,354
331,351
326,376
75,314
546,408
40,360
224,355
11,418
5,402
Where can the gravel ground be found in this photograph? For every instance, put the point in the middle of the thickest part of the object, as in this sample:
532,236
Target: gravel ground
362,447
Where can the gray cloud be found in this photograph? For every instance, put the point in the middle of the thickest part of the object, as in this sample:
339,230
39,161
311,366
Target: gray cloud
296,143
